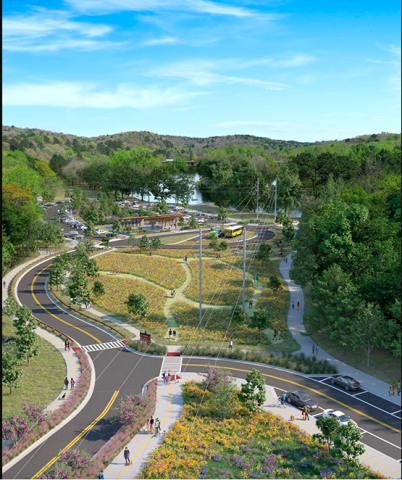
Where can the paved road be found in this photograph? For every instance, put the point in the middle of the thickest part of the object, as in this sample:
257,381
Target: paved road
124,372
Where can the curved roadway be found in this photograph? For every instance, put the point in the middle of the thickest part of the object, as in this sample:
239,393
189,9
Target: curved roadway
119,372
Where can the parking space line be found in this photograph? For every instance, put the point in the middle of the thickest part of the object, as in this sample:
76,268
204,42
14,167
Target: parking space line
323,380
394,413
360,393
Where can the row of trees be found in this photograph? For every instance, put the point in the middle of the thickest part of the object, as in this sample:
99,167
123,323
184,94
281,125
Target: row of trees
21,346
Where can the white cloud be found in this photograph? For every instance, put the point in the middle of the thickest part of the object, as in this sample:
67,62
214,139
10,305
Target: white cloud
51,30
198,6
394,78
81,95
201,73
161,41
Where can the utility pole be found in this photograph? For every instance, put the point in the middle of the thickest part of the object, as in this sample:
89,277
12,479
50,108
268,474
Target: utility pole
199,323
258,194
244,269
276,196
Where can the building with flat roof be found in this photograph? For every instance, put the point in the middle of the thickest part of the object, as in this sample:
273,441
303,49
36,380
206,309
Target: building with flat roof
161,221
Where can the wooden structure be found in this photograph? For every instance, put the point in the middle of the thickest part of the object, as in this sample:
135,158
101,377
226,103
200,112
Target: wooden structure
162,221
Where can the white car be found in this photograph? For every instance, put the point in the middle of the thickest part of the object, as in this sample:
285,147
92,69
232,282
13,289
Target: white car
340,416
99,231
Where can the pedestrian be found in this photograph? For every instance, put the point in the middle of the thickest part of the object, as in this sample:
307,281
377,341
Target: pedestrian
286,260
390,391
317,348
303,414
148,426
151,423
278,337
157,426
250,304
127,455
100,474
4,284
169,377
393,388
275,333
170,332
164,377
185,258
306,415
174,293
298,305
230,344
257,277
313,349
293,305
171,293
174,333
66,382
114,271
72,383
65,344
68,346
398,386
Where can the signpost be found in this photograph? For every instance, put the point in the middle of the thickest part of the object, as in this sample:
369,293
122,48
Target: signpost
145,337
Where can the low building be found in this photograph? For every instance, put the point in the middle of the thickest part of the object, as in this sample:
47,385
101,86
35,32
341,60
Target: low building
161,221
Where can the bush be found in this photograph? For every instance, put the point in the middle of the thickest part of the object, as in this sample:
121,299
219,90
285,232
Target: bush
152,349
296,362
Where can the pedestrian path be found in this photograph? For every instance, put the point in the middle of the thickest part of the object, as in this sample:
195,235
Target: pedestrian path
172,364
298,331
102,346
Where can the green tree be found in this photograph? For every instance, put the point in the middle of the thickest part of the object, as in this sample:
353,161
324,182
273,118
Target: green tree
78,286
116,227
56,274
223,215
98,289
156,243
328,427
131,239
10,307
144,243
347,440
193,222
288,230
8,251
137,305
275,283
264,251
182,222
10,373
213,244
90,230
105,241
238,316
289,188
222,246
367,329
161,208
26,337
253,393
260,319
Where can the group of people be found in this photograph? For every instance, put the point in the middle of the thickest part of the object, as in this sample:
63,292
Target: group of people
173,293
167,378
298,305
395,387
277,334
315,349
67,383
305,409
154,425
185,259
172,332
67,347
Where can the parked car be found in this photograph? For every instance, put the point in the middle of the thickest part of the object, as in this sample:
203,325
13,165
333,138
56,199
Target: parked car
345,381
59,203
340,416
301,399
110,234
99,231
83,227
71,233
78,237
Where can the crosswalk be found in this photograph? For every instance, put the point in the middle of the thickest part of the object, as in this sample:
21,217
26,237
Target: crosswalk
171,363
102,346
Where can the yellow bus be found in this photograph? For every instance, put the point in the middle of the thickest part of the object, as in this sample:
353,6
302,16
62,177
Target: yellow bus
233,231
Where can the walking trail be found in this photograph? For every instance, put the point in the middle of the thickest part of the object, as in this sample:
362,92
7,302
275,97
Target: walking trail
169,406
298,331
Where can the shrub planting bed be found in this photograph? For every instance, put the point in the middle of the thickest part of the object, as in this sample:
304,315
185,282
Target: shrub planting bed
152,349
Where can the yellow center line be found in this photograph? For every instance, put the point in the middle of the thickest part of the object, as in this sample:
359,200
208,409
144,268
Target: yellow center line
79,436
51,314
308,388
150,438
74,373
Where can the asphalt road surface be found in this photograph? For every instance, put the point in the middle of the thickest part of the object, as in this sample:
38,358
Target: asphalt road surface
119,372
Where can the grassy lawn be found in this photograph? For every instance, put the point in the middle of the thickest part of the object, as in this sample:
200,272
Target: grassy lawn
42,379
178,238
383,365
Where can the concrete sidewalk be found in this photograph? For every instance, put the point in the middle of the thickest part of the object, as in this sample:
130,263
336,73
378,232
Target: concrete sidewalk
169,405
296,328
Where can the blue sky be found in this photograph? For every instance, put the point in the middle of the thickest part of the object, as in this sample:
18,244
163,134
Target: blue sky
294,70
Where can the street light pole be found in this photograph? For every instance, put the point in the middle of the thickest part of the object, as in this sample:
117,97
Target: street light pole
258,194
244,269
199,323
276,196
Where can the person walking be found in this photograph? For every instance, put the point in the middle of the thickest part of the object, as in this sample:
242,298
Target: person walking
317,349
398,387
390,391
157,426
286,259
283,399
127,455
101,475
151,423
303,414
250,304
148,426
66,382
170,332
230,344
72,383
393,388
164,377
298,305
68,346
313,349
65,344
275,333
306,415
293,305
257,277
174,334
4,283
171,293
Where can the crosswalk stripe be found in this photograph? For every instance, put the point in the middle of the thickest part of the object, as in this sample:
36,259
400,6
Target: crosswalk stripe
103,346
97,347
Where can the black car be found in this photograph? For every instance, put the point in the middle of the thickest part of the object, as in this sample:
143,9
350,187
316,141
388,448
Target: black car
348,383
301,399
